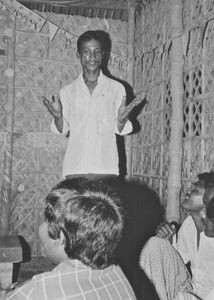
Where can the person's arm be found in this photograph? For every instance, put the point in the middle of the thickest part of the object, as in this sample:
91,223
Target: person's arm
59,108
54,106
121,124
166,230
124,126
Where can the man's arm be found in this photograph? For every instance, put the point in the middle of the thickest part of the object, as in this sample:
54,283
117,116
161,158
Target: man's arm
124,111
54,106
59,123
166,230
120,125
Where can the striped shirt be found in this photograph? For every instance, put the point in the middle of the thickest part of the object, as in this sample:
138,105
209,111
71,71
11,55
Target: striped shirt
166,270
92,122
73,280
201,257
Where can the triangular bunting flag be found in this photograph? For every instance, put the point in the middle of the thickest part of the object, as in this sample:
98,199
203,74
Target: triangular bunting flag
52,30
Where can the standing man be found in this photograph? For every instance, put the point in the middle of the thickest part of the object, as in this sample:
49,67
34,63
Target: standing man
93,108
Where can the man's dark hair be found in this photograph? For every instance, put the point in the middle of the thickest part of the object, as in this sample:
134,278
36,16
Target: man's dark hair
206,178
210,210
101,36
90,219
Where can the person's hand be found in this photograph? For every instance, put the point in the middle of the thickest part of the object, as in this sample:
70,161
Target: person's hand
166,230
54,106
125,109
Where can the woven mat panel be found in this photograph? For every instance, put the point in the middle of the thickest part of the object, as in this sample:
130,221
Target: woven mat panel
3,125
152,76
156,162
208,116
156,93
137,158
209,153
208,76
198,89
209,39
156,125
195,49
146,126
165,160
153,63
155,183
42,67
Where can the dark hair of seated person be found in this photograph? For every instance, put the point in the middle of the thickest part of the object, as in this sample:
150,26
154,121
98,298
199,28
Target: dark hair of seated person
90,216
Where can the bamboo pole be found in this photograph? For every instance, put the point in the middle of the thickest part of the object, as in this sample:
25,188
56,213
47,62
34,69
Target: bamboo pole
175,146
130,43
8,147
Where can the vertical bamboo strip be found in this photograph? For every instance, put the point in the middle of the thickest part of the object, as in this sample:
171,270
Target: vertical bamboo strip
130,42
8,150
175,147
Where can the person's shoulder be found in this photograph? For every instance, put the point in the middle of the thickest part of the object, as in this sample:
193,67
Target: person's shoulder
115,83
69,89
69,86
33,286
41,276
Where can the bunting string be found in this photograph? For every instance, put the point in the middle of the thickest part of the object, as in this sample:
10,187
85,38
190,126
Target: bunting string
36,22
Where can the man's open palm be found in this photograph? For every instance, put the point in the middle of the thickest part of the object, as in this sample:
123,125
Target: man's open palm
53,105
125,109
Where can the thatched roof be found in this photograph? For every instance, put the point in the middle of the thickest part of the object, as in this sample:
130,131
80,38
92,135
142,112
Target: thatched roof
115,9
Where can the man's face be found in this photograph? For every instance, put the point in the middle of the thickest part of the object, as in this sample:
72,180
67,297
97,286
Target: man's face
91,55
52,249
194,198
208,224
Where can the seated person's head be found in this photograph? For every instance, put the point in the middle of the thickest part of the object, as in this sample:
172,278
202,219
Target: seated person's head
193,201
209,219
209,191
83,220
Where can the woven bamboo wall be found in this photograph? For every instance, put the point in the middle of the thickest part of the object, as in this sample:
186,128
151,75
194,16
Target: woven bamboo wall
150,161
152,77
198,88
41,67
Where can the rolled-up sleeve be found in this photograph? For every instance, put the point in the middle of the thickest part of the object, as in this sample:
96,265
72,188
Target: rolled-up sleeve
126,129
64,97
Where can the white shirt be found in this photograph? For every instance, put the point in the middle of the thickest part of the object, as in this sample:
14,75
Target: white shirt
210,296
72,280
201,259
92,121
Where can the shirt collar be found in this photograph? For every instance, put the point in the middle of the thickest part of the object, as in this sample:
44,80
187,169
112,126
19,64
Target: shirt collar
99,79
77,264
73,263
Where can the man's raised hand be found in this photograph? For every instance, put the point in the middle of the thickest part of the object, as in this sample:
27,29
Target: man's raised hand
54,106
125,109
